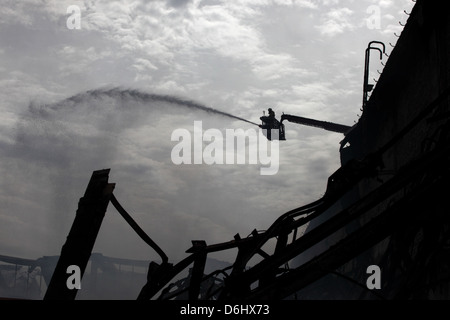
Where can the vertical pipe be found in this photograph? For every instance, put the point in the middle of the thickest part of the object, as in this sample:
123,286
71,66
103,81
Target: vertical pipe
366,86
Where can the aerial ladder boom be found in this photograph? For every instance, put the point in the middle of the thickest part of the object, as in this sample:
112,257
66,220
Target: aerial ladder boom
271,124
330,126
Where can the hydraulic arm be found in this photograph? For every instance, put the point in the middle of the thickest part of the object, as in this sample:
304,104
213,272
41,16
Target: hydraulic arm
274,126
330,126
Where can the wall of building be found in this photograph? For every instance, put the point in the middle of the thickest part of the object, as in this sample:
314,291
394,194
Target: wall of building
414,258
416,75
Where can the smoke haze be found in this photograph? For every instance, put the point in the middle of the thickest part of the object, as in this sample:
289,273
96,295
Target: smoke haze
67,110
57,146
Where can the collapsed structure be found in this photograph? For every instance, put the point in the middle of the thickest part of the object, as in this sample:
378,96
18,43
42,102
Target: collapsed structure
385,206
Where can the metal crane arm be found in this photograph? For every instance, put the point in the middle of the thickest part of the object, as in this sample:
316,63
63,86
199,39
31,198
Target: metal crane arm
330,126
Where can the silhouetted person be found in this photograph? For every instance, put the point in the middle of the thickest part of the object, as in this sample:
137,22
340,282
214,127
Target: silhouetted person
271,118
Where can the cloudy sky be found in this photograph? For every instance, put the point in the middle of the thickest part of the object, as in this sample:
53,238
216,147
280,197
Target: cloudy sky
77,98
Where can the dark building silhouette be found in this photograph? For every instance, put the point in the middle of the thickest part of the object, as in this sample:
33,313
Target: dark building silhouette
384,209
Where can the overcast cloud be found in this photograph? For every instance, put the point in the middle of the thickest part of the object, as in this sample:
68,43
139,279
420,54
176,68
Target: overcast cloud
67,110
